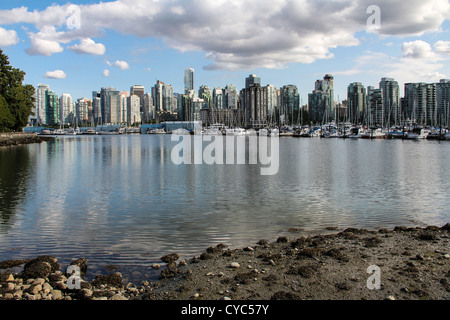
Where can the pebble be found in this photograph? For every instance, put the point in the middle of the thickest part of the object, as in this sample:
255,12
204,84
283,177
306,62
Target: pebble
390,298
447,256
235,265
156,266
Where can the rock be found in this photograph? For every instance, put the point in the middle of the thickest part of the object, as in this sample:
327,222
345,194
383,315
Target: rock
49,259
82,264
446,227
37,269
6,277
40,281
118,296
250,249
447,256
283,295
390,298
18,294
34,289
235,265
60,285
225,298
156,266
282,239
428,236
85,294
10,286
46,288
57,295
170,258
263,242
112,280
9,296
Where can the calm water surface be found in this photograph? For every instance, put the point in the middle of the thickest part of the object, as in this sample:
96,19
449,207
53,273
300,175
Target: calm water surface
119,200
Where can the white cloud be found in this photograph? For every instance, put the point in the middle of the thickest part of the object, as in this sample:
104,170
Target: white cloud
442,47
418,50
237,34
123,65
88,46
106,73
46,42
8,37
57,74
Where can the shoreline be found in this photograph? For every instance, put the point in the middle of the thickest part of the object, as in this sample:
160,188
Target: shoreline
413,264
19,138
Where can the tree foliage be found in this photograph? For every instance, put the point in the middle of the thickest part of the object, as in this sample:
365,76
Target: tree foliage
16,99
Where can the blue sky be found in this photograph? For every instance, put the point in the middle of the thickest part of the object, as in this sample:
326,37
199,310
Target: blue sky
126,42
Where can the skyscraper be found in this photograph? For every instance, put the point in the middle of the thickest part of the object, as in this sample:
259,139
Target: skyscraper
66,109
134,113
356,102
290,104
272,98
105,94
374,112
443,101
321,101
420,103
391,101
231,97
254,103
52,108
251,80
41,102
188,80
218,98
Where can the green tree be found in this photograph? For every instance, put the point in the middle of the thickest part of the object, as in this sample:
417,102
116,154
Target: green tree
16,99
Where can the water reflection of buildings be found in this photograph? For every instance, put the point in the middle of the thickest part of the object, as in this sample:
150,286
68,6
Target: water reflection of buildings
14,175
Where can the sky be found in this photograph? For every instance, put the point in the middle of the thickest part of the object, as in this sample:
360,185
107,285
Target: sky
81,46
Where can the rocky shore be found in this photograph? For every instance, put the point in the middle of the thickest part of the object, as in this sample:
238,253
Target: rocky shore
15,139
412,263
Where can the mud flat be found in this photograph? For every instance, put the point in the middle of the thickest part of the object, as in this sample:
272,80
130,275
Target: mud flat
412,264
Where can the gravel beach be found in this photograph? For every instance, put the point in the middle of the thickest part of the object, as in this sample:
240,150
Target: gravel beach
353,264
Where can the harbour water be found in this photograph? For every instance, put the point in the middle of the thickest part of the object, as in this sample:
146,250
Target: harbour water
120,201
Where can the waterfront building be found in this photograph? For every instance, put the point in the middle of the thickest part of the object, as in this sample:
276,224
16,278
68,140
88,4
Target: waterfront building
254,104
96,107
134,112
147,105
391,101
66,109
188,80
52,109
105,100
290,104
82,111
321,101
272,99
420,103
205,93
443,101
252,80
374,110
137,90
41,103
218,100
230,97
164,99
356,102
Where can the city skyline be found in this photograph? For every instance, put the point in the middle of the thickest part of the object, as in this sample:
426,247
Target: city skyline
285,42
